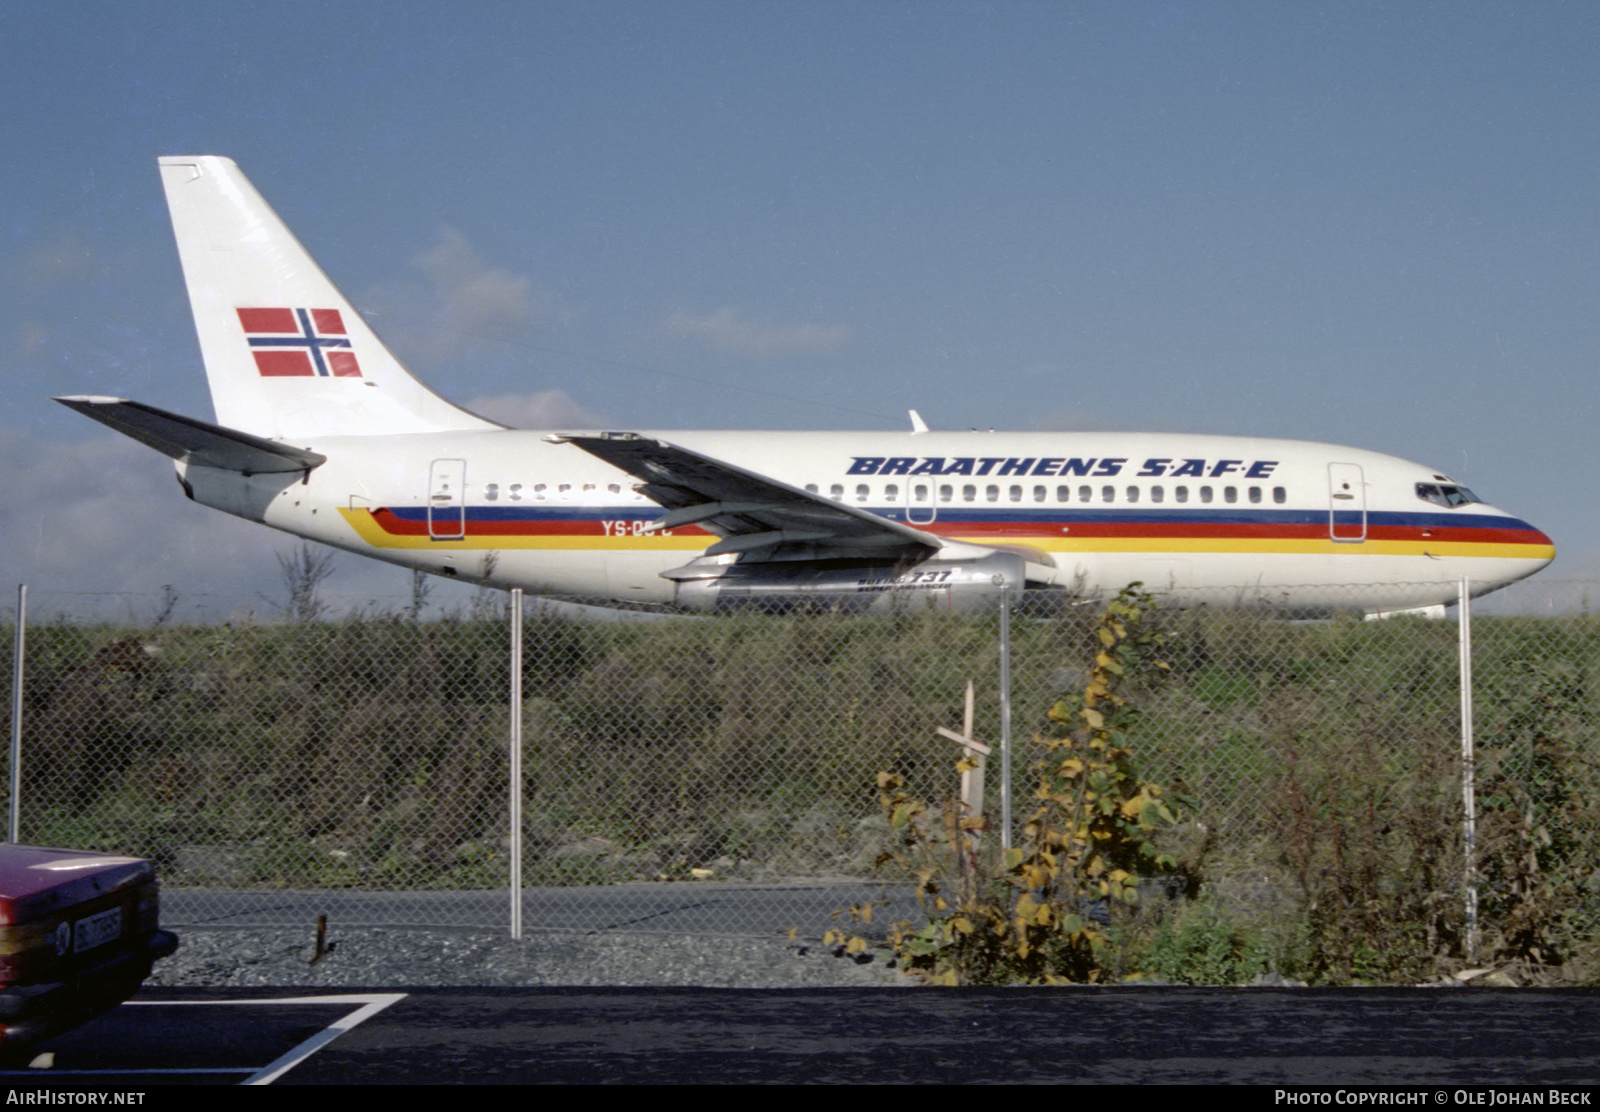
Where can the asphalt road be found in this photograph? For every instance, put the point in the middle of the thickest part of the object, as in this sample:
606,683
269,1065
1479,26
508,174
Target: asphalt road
1446,1044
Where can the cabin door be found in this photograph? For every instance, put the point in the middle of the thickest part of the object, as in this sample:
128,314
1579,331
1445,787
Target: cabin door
447,509
1347,503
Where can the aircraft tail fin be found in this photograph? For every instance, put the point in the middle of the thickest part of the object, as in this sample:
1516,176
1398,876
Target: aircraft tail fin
285,353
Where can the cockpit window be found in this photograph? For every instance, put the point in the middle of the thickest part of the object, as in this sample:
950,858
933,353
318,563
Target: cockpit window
1446,494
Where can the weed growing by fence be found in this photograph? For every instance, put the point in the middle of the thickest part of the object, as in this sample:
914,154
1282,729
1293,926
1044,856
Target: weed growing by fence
1040,913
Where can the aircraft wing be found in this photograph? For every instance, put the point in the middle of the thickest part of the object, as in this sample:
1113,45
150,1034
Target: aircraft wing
194,441
749,511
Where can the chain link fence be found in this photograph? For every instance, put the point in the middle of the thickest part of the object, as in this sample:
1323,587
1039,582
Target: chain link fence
719,773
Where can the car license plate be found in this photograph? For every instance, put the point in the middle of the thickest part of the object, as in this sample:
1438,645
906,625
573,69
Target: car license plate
96,930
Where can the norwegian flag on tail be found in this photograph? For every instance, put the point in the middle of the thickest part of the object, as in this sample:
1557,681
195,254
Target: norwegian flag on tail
302,343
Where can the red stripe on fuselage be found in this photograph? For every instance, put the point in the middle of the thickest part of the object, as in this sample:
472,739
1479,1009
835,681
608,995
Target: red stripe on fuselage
394,525
1224,531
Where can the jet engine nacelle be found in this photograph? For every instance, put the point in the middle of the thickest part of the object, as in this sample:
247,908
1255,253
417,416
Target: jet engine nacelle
965,586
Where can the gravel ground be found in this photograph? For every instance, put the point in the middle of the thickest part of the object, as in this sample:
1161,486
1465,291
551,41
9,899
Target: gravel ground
380,958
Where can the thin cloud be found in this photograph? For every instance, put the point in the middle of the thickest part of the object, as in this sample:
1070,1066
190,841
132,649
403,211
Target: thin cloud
729,330
546,409
461,302
100,526
31,340
105,514
58,262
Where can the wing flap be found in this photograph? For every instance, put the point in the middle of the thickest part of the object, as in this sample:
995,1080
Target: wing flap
753,513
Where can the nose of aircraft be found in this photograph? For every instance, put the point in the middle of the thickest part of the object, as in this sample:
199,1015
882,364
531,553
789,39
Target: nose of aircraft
1530,547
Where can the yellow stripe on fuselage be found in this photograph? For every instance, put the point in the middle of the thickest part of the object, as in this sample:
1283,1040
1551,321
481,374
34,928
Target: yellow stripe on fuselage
370,531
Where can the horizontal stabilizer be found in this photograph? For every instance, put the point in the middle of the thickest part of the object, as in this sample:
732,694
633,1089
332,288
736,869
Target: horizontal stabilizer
193,441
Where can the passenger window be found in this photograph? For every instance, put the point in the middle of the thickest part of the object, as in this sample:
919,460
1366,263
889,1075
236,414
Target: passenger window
516,492
1133,494
538,491
491,492
1085,494
1016,494
1039,494
614,488
991,493
1063,494
1205,494
946,492
1180,494
862,492
919,493
1255,494
1230,494
891,493
1280,495
1157,494
1108,494
836,492
812,487
969,493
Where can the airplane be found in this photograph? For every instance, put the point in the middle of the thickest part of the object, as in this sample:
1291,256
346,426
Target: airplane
322,433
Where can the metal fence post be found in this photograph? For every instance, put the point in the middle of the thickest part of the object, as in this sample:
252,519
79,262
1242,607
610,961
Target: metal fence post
18,674
1005,716
516,762
1469,801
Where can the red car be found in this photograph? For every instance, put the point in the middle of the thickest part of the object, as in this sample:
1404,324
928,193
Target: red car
78,935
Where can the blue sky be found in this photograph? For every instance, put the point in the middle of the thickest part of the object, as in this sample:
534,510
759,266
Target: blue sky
1372,224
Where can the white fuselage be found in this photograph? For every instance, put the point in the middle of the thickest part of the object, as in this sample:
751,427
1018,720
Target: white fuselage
1300,523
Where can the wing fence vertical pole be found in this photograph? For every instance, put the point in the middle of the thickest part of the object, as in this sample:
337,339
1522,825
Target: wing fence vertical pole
1469,798
1005,716
516,762
18,673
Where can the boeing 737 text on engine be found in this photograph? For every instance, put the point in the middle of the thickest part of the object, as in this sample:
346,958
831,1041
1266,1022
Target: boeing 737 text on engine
320,432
